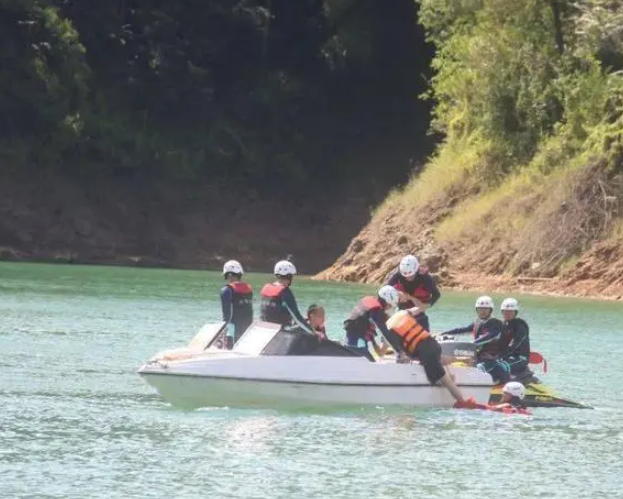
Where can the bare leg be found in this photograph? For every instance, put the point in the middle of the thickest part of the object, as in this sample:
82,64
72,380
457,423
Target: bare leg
448,382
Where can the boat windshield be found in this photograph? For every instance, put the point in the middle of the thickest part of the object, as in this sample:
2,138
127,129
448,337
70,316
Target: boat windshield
265,338
256,337
296,341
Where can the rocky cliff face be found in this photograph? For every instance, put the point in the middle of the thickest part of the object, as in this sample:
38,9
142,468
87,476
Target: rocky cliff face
130,221
469,262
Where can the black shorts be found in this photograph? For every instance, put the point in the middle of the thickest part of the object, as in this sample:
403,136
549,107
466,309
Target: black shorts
429,353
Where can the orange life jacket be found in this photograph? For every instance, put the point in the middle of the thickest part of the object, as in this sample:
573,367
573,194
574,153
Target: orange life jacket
405,326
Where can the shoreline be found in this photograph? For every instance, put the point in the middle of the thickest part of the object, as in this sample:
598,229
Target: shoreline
553,287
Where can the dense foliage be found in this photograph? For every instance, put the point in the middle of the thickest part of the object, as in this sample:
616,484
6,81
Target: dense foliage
267,93
530,79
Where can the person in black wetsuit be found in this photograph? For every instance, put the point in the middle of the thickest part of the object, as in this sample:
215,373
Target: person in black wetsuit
487,332
416,288
236,303
278,304
368,316
515,340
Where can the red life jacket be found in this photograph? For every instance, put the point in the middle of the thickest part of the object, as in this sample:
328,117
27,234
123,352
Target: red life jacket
242,304
358,324
470,403
271,307
420,292
511,410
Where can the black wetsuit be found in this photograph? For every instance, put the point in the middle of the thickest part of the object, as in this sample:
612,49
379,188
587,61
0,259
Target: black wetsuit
515,345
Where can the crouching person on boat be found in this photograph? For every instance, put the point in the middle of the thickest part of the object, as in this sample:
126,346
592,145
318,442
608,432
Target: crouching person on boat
407,336
368,316
236,303
278,304
487,332
515,341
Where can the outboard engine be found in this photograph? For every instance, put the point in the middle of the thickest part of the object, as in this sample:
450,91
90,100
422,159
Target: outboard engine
463,351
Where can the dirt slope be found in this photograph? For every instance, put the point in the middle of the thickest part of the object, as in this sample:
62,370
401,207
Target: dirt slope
472,261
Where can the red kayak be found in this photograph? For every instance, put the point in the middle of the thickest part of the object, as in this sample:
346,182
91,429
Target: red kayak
470,403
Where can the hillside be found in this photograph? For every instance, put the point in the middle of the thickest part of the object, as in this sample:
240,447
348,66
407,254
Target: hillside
526,191
183,132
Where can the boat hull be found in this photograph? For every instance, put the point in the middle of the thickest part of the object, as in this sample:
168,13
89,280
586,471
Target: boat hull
302,382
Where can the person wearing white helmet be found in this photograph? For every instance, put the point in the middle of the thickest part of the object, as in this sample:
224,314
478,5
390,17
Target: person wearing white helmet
487,332
406,335
515,342
513,395
278,304
368,316
416,288
236,303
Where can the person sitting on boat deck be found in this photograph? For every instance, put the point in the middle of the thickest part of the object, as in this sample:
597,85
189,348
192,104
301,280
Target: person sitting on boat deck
236,303
315,319
278,304
487,332
366,317
513,395
406,335
416,287
515,340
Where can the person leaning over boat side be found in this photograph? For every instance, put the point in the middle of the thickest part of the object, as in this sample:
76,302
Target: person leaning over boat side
416,287
315,319
408,336
487,332
278,304
236,303
367,316
515,341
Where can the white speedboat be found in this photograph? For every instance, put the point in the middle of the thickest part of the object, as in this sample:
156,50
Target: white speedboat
270,368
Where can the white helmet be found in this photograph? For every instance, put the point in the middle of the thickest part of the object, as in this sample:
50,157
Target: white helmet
409,266
232,266
515,389
510,304
484,302
390,295
284,268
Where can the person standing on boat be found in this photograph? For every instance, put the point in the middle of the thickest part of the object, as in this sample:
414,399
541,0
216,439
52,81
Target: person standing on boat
515,340
368,316
416,288
278,304
487,332
408,336
236,302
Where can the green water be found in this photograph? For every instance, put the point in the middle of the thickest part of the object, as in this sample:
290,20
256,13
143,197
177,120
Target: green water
76,421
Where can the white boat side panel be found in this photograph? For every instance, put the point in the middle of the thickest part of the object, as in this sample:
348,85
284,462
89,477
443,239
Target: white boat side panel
309,369
195,391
